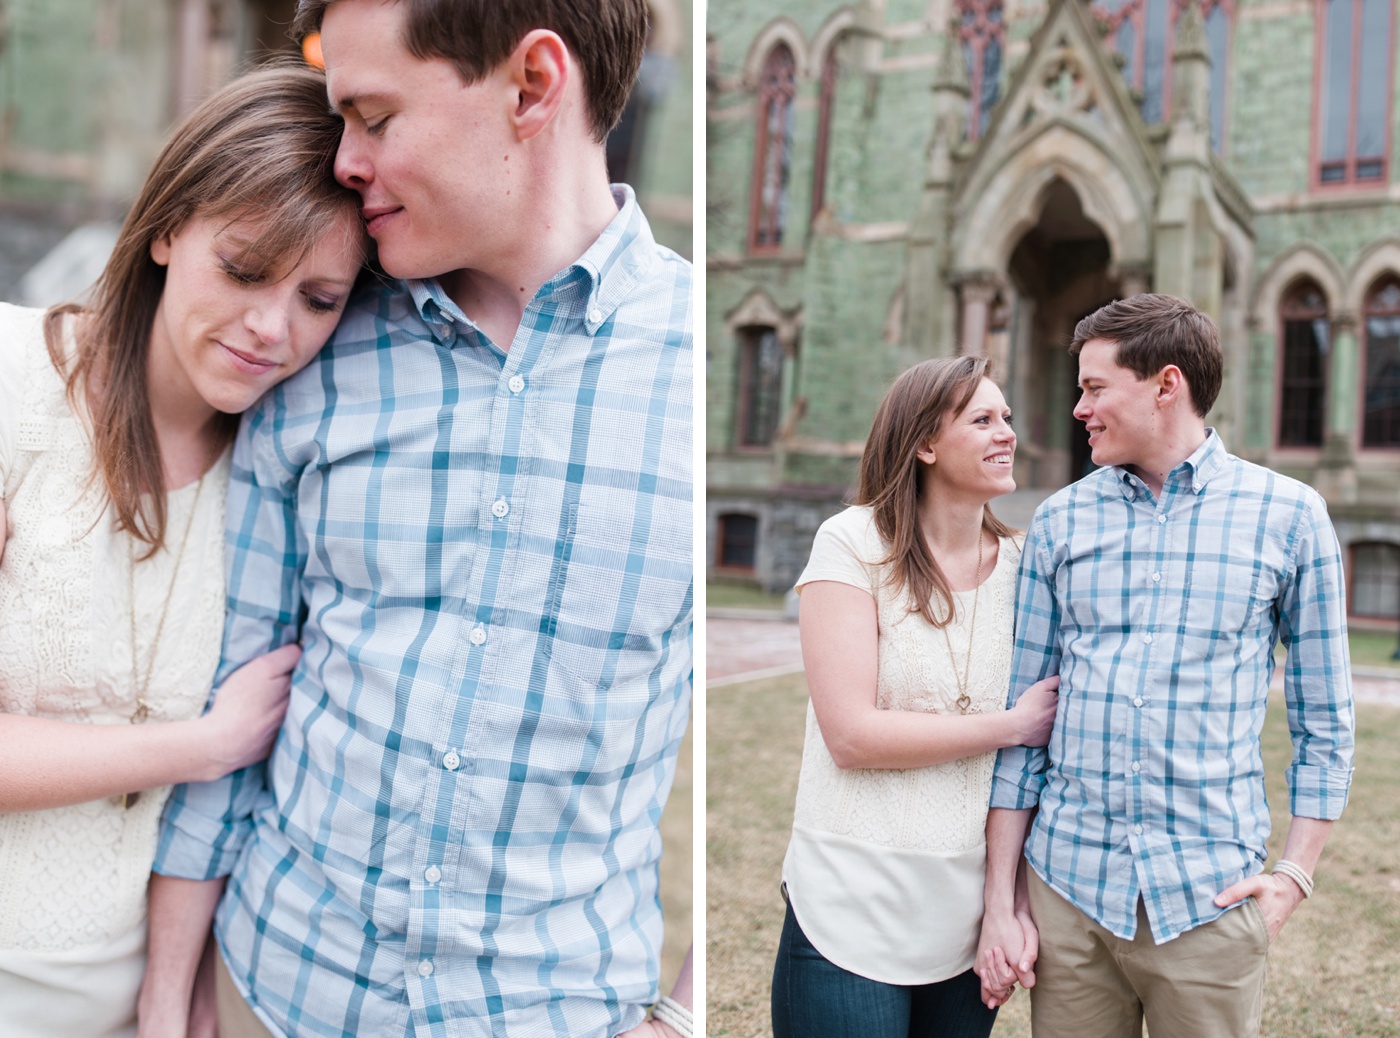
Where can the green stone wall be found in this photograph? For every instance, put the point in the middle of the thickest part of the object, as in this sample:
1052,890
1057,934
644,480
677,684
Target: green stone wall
667,169
847,280
1269,120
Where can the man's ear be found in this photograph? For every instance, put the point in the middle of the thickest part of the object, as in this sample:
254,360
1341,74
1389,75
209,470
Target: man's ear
539,68
1171,385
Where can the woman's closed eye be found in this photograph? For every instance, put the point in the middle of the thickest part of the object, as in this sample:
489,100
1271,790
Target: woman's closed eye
241,275
322,304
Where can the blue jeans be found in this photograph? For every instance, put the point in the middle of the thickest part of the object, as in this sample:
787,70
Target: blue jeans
813,998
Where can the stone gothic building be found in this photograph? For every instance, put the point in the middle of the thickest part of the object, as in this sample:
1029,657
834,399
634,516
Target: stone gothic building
891,180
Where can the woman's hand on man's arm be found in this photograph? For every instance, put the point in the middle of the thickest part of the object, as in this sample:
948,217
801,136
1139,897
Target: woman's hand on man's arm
840,652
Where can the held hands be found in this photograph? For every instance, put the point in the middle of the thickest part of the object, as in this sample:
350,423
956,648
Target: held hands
1034,713
1006,954
650,1029
248,710
1277,896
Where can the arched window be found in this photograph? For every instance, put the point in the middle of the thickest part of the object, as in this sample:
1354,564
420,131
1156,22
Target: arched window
1375,580
1352,90
1141,32
982,31
831,72
1380,420
760,393
773,149
1306,339
1144,32
1219,18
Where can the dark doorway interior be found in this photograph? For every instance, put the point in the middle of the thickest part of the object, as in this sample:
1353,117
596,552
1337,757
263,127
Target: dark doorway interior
1060,269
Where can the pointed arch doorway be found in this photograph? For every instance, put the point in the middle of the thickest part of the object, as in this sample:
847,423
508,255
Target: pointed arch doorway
1060,270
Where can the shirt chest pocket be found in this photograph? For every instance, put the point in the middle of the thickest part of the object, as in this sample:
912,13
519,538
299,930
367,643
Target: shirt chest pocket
1227,597
624,592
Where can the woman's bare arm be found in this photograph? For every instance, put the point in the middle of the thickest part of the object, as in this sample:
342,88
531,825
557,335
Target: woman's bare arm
839,650
47,762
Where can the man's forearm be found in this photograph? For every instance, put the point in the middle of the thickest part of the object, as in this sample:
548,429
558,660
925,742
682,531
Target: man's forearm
1305,840
181,911
1006,836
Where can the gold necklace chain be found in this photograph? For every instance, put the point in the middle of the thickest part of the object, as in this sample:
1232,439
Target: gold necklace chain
139,684
965,700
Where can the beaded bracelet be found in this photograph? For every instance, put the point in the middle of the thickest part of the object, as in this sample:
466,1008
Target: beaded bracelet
1295,872
675,1015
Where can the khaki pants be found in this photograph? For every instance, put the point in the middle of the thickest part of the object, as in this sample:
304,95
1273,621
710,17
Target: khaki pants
236,1017
1206,983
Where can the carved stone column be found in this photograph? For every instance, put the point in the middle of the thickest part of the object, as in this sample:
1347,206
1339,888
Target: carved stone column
1336,477
1134,281
977,294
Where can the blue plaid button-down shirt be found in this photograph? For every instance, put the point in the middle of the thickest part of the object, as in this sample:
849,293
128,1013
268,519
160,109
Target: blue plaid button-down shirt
487,558
1161,617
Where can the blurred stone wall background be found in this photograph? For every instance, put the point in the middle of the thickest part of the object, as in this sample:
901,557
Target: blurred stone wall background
89,89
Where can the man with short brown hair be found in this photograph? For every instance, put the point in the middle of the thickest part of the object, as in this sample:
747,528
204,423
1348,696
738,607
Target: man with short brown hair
473,510
1157,588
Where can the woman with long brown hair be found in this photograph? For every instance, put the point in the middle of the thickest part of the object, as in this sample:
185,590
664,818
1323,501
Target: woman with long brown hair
116,419
906,626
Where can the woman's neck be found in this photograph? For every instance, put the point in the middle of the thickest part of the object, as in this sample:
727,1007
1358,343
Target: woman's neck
952,528
186,427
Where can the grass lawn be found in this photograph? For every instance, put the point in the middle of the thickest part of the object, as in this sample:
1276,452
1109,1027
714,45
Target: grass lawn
740,596
677,864
1374,649
1335,969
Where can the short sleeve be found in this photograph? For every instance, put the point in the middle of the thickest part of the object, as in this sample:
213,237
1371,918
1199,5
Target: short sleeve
848,550
21,331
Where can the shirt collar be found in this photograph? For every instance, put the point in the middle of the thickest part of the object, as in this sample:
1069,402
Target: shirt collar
596,283
1192,474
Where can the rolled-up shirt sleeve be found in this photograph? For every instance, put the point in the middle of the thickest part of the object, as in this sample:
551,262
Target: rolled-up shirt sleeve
1317,675
206,823
1020,770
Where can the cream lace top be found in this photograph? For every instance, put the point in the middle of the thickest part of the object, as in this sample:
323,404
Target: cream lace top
74,878
884,869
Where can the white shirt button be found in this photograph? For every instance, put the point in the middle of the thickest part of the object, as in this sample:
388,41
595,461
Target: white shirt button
516,383
1147,638
451,761
1156,577
1137,701
425,968
432,873
1137,829
478,635
500,509
1161,518
595,316
1137,766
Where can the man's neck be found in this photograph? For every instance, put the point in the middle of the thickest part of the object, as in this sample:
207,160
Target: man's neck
1178,445
547,234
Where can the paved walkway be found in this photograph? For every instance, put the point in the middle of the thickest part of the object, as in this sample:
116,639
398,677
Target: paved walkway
741,648
745,649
